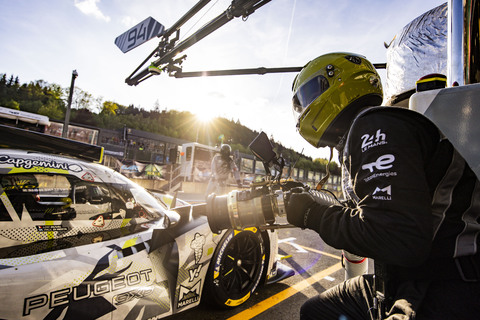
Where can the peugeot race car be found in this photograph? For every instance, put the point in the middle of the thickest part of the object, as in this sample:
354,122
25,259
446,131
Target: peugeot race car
80,241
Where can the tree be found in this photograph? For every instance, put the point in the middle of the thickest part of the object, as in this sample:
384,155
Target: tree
110,108
53,91
3,79
80,99
84,116
11,81
303,163
12,104
52,111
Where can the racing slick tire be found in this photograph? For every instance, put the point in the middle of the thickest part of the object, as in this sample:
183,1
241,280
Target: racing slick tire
236,268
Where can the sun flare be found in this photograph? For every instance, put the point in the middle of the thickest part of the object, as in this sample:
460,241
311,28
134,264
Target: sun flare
205,116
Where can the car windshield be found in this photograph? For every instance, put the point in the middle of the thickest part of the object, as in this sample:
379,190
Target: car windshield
138,198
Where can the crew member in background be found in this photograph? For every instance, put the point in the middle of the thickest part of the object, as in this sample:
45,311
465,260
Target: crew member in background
222,166
413,202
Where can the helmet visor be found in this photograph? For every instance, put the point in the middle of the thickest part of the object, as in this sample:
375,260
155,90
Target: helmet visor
307,93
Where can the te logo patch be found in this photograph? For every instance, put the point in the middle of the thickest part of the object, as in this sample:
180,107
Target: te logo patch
383,163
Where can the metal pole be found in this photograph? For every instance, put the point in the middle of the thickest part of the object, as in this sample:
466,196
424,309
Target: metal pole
69,104
456,53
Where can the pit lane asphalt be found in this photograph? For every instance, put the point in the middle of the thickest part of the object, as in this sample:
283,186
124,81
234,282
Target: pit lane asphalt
317,268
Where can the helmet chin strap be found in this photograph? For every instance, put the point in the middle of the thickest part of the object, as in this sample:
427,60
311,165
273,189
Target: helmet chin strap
327,170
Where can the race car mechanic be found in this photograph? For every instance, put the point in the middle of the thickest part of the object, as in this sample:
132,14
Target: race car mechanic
222,166
413,203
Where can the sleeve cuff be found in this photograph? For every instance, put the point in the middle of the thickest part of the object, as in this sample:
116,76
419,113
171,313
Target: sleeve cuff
315,217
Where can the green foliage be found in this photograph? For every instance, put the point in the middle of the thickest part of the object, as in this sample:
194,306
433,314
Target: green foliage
321,165
52,111
81,99
110,108
12,104
37,96
240,148
304,164
83,116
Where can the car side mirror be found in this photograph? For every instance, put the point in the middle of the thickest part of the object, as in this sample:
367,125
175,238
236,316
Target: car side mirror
171,218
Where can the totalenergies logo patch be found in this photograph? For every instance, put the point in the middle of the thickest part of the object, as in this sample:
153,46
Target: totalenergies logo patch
29,164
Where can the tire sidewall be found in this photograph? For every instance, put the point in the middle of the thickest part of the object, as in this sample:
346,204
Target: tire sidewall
217,292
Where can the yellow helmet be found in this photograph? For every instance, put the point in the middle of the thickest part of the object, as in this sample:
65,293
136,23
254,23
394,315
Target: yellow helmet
329,91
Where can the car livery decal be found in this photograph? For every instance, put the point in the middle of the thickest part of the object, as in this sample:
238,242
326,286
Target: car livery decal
189,295
197,245
190,270
36,231
88,176
137,290
89,292
40,165
128,296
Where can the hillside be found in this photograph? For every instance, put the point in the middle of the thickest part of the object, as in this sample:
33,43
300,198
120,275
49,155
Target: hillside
50,100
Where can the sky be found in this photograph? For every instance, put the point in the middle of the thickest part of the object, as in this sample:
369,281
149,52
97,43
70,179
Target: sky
48,39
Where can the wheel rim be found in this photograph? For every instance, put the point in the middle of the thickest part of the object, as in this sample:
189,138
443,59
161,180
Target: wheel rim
242,264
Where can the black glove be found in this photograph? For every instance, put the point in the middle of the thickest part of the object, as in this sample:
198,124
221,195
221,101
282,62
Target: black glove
298,208
303,209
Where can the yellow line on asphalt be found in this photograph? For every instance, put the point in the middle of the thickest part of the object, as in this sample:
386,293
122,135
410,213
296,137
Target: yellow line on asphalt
282,295
320,252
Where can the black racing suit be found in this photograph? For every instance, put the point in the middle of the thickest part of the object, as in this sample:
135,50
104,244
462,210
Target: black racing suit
415,209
